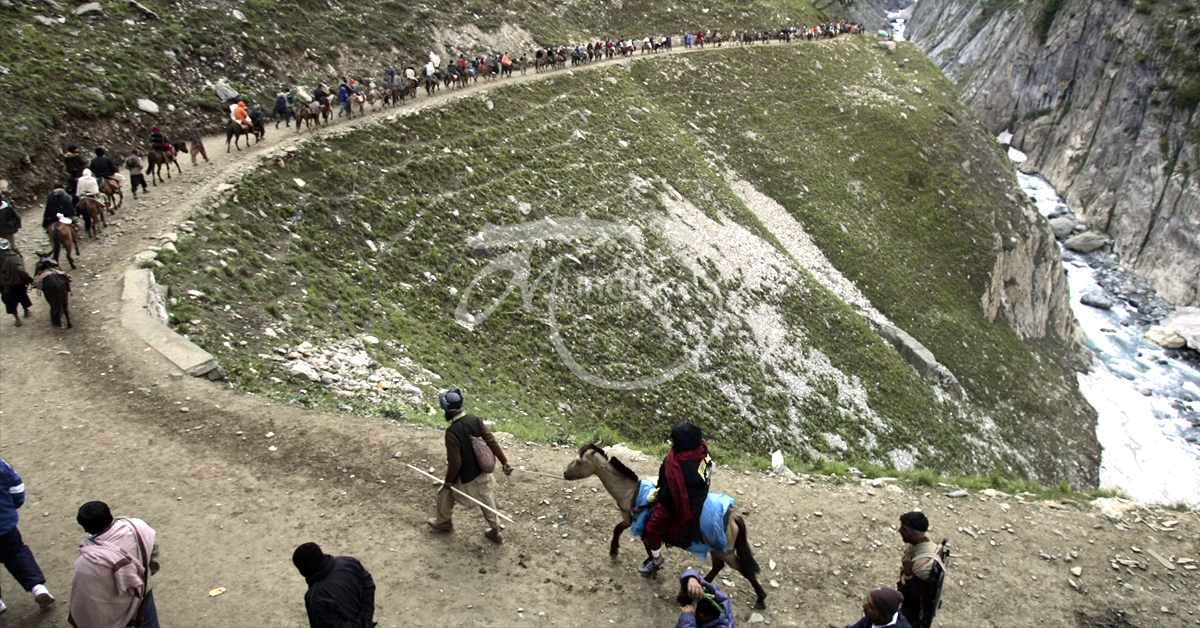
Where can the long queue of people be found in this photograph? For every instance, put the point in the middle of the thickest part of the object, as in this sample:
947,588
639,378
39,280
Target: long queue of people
111,587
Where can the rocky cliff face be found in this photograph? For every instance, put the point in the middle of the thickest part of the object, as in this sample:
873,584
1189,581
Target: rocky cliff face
1098,94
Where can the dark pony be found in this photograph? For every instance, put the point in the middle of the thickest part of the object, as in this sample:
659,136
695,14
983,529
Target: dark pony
157,158
234,131
55,286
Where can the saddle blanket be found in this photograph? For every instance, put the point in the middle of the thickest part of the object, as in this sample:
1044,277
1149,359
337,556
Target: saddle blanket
712,520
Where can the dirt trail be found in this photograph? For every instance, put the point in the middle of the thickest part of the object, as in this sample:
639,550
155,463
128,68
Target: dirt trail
92,413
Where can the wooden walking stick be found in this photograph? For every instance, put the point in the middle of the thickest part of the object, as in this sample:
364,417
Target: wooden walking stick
502,515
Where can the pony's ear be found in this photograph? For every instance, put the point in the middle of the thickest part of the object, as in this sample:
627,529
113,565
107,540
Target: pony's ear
599,444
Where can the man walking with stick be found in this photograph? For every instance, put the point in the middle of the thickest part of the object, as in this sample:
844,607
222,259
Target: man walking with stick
471,455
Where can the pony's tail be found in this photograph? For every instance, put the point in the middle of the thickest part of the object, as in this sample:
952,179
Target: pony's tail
55,239
56,311
742,548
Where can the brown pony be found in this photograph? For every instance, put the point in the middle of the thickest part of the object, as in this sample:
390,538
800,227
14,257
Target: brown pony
355,99
94,212
64,236
431,85
622,485
112,190
157,158
309,114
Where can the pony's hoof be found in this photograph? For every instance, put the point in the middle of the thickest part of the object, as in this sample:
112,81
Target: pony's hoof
760,605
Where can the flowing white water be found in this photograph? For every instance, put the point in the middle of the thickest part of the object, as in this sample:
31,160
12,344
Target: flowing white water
899,20
1146,398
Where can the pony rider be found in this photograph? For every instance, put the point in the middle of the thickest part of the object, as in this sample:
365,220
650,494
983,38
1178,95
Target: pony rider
683,481
238,114
158,141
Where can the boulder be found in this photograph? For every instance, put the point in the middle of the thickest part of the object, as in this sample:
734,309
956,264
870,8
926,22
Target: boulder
53,5
1017,156
1096,300
1087,242
921,358
146,11
779,466
149,106
887,46
225,92
239,16
1062,226
304,369
1185,322
1005,138
145,256
302,95
45,20
94,92
1164,338
88,8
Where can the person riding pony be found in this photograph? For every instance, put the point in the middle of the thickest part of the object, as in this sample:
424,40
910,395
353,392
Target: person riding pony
683,481
158,141
240,116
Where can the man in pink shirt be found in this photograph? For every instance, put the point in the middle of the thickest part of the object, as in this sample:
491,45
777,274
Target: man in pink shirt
111,588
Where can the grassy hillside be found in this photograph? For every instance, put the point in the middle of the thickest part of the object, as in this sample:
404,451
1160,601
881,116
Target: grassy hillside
83,76
383,239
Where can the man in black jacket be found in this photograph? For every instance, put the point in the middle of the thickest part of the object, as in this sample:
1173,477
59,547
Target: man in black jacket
57,202
102,165
341,592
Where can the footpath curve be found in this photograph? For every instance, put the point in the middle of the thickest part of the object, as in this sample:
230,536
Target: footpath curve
93,413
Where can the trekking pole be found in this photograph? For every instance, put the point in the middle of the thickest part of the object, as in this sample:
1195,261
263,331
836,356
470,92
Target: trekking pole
502,515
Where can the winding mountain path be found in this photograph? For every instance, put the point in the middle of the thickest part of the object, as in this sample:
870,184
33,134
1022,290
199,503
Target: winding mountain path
93,413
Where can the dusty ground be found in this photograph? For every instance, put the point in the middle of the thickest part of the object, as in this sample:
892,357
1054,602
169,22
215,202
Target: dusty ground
92,413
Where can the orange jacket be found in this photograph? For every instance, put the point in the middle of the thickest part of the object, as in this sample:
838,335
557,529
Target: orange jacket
240,114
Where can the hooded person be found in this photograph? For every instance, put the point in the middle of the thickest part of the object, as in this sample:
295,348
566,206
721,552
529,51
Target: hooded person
881,609
87,186
240,116
341,592
683,481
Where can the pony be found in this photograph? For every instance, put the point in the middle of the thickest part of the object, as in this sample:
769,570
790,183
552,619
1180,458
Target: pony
622,484
55,286
355,99
93,212
309,114
234,132
157,158
112,191
64,235
431,85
